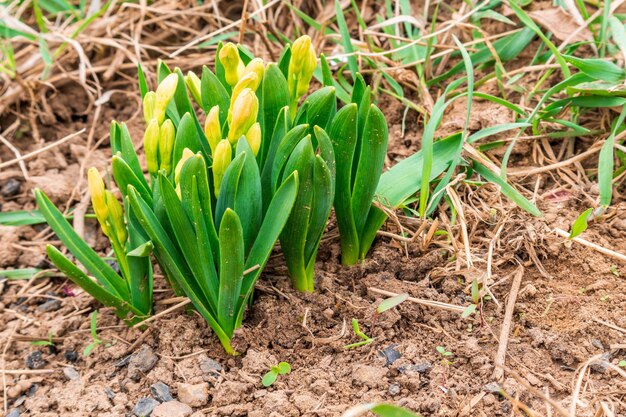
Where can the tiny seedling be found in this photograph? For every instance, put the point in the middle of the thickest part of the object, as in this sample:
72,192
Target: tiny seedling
622,363
445,354
96,341
269,378
392,302
614,270
47,342
379,409
366,339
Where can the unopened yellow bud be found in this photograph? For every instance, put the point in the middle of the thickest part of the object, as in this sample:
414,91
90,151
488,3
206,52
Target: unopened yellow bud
98,195
243,114
164,93
212,128
301,66
116,218
167,135
257,67
148,106
187,153
151,146
221,159
233,66
251,81
254,137
194,86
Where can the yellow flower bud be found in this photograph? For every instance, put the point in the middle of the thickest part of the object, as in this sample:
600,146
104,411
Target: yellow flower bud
243,114
212,128
167,135
257,67
151,146
98,195
187,153
251,81
194,87
253,135
116,217
301,66
164,93
221,160
148,106
233,66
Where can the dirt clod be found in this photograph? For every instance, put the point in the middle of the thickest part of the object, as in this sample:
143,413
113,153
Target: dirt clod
172,409
71,373
141,362
194,395
35,360
11,188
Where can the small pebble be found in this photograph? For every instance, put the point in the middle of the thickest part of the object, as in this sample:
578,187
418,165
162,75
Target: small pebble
390,354
328,313
70,356
195,395
145,406
209,366
14,413
71,373
493,387
51,305
161,392
35,360
171,409
109,393
141,362
602,364
11,188
394,389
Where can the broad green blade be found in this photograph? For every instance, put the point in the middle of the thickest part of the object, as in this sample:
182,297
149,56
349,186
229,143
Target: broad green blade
343,134
268,234
231,270
598,69
322,106
371,161
286,146
320,207
123,308
213,94
280,130
248,203
105,275
187,137
274,97
125,176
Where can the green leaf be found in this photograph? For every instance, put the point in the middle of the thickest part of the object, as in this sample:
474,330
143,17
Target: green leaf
105,275
24,273
231,270
468,311
580,224
269,378
598,69
507,189
392,302
21,218
213,94
346,40
284,368
494,130
274,97
606,163
388,410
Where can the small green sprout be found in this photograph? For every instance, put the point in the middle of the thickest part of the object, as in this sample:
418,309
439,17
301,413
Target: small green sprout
622,363
366,339
475,301
94,335
269,378
445,354
614,270
390,303
379,409
47,342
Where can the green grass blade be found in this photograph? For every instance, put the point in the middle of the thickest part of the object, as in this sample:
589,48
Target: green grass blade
231,270
346,40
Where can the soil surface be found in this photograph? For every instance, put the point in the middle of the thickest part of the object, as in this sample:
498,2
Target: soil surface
569,308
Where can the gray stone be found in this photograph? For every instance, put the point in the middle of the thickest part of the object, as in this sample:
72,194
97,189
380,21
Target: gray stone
492,387
195,395
390,354
141,362
11,188
35,360
171,409
161,392
420,368
51,305
394,389
71,373
14,413
145,406
209,366
602,364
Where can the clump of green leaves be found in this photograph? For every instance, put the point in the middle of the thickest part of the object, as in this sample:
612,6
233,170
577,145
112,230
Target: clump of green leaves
445,355
283,368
